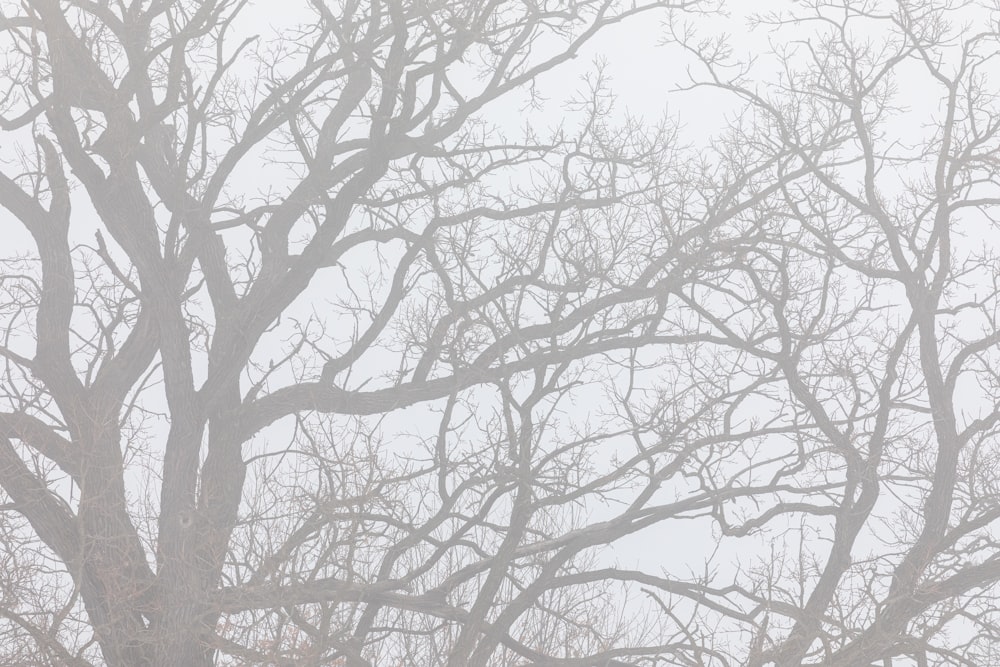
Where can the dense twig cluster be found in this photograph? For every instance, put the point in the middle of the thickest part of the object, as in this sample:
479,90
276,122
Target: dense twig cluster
308,361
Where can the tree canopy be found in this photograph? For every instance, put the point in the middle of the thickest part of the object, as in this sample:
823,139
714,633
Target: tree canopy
319,348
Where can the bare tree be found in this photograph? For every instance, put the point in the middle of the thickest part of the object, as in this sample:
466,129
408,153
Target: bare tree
867,315
308,361
230,234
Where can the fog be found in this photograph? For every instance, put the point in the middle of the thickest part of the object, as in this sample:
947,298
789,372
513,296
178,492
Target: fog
589,333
